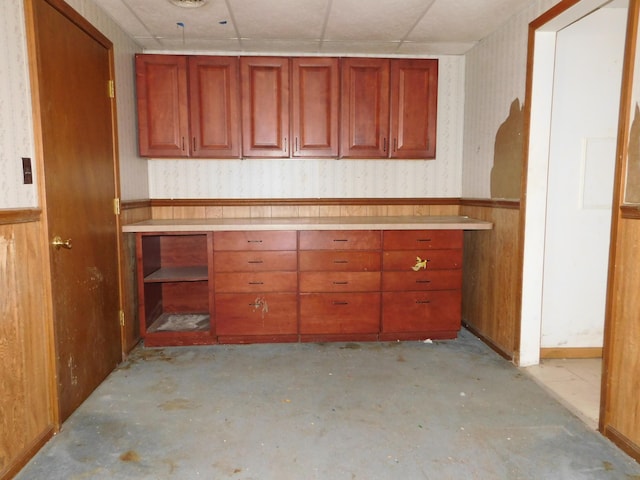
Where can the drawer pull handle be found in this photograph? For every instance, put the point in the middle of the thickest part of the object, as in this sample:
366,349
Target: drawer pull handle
341,283
255,261
256,283
340,303
254,241
423,240
340,240
423,281
420,263
341,261
423,301
260,303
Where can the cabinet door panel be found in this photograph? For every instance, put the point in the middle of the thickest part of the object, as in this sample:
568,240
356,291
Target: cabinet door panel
422,239
255,314
163,118
315,102
265,106
325,313
421,311
339,281
414,92
340,260
214,106
406,260
365,108
256,282
258,261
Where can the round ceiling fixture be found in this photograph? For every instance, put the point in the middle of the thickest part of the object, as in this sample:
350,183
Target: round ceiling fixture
188,3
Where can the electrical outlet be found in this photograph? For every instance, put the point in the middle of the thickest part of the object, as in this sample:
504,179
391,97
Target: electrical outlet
27,173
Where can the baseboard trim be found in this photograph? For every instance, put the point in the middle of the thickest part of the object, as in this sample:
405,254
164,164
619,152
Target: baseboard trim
576,352
27,454
622,442
495,347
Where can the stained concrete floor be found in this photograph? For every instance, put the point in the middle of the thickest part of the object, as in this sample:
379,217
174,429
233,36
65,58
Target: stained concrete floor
410,410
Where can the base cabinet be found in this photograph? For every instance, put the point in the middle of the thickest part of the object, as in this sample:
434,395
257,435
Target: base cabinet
290,286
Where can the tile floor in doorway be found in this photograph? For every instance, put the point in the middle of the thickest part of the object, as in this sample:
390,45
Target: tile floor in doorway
574,382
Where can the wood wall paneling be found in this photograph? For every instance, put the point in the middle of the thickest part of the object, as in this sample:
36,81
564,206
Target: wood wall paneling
27,417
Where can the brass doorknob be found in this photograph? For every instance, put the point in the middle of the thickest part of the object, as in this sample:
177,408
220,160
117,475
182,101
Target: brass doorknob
59,243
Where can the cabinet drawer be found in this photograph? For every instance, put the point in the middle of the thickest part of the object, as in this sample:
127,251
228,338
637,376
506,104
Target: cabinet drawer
422,280
421,239
340,240
251,314
339,281
421,311
340,261
255,240
258,261
327,313
256,282
406,260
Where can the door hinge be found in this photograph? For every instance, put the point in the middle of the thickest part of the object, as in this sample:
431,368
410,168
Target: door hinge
121,318
111,89
116,206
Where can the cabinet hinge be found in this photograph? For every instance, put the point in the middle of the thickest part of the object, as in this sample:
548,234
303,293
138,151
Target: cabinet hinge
111,89
116,206
121,318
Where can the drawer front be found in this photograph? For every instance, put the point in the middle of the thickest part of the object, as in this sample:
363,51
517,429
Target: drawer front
340,240
339,281
422,280
340,261
255,240
251,314
410,260
421,311
257,261
256,282
422,239
326,313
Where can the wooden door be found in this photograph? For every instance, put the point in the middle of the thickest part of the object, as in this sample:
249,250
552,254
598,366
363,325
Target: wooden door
265,106
163,115
315,104
414,93
364,123
76,121
214,107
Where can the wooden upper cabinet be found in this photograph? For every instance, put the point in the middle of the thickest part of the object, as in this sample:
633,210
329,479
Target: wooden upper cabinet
188,106
265,106
214,96
414,92
315,105
365,108
163,118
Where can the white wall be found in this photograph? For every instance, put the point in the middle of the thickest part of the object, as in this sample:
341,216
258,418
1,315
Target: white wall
16,124
331,178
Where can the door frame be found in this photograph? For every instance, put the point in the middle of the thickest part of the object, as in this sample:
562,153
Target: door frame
45,261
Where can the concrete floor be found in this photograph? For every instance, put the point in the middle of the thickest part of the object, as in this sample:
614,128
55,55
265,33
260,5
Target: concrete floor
410,410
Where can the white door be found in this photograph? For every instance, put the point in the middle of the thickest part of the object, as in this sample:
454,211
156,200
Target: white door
584,118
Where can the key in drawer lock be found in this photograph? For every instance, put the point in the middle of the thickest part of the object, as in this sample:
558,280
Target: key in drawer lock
260,303
420,264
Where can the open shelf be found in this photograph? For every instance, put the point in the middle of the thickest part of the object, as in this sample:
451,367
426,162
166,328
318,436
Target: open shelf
178,274
181,322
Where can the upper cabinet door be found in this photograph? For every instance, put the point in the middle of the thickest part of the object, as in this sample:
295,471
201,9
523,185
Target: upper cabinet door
315,104
365,108
265,106
163,122
414,92
214,96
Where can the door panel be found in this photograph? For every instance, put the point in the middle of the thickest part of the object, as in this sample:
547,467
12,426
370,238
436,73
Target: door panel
76,115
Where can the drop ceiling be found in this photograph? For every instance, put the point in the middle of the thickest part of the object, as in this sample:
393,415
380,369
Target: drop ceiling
363,27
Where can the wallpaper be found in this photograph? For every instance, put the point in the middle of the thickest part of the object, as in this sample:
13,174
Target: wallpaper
330,178
495,78
16,130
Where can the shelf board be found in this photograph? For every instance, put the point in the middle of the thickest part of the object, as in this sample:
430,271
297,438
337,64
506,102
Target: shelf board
178,274
181,322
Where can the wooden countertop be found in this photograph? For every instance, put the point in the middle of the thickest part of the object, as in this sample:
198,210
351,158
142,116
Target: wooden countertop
311,223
